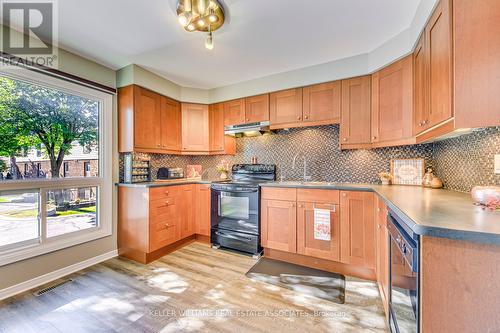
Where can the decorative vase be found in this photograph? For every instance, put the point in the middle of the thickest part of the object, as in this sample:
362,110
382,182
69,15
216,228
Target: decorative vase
428,177
436,183
386,181
223,175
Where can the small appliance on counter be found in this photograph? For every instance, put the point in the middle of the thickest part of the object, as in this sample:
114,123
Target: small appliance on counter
235,213
136,170
170,173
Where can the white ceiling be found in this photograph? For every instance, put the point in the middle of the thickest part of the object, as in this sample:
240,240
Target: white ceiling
260,38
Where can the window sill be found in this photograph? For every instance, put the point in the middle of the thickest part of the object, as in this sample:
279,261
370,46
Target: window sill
58,243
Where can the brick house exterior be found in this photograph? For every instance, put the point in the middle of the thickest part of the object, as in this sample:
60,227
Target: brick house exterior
80,162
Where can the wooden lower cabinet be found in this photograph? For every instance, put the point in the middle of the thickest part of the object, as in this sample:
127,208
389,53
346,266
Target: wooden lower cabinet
186,210
357,228
202,218
279,225
382,235
155,221
287,229
307,244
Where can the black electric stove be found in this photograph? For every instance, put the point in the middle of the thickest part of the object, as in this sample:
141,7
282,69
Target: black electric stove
235,208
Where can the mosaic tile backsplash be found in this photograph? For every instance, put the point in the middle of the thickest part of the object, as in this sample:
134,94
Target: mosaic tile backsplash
468,160
460,162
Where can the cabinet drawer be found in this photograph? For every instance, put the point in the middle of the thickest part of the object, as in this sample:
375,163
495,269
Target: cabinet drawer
279,193
163,207
164,233
163,192
312,195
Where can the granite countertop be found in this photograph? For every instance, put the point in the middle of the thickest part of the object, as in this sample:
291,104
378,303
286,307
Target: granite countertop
438,213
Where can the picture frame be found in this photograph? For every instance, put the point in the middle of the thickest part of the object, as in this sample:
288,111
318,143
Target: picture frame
407,171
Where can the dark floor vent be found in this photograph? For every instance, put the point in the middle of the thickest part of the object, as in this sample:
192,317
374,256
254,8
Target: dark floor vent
50,288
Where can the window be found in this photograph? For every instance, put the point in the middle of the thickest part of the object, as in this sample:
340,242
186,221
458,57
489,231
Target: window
57,205
86,169
39,171
66,169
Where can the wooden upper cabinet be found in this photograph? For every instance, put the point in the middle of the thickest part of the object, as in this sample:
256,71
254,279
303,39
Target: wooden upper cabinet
216,122
476,61
195,128
322,103
257,108
170,124
392,102
202,217
357,228
355,121
285,108
279,225
439,63
147,126
307,243
234,112
420,87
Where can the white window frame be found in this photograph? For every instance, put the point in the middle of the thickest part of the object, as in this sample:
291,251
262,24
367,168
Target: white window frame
104,183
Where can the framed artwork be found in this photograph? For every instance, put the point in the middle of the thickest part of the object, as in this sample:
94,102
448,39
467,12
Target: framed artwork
407,171
193,171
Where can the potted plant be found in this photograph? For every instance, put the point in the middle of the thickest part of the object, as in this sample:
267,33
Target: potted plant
385,178
223,169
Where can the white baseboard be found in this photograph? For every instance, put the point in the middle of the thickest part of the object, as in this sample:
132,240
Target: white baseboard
46,278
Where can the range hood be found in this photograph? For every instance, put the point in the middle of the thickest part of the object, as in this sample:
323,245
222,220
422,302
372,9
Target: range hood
251,129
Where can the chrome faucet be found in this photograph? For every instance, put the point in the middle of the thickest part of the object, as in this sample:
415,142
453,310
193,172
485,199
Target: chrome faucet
306,177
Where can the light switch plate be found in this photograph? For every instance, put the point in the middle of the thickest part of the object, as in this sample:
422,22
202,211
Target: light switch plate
497,163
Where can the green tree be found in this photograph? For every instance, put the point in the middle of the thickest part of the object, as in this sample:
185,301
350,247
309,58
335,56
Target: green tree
51,117
12,139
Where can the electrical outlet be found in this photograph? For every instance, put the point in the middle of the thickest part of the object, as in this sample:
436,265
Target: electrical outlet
497,164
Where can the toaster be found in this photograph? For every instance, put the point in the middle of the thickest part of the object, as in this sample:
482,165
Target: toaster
170,173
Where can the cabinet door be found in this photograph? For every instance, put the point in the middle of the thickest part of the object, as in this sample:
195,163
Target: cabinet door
285,108
234,112
392,102
477,69
257,108
279,225
186,210
195,132
165,232
357,228
216,121
382,251
147,114
229,145
202,219
170,124
355,123
420,90
322,102
439,63
307,243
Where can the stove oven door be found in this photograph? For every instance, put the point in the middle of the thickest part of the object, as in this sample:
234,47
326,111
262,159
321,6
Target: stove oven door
236,209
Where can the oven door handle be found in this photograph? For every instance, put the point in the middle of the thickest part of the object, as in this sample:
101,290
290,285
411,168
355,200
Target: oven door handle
232,237
238,191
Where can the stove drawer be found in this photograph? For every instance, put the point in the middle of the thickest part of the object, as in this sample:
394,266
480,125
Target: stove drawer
235,240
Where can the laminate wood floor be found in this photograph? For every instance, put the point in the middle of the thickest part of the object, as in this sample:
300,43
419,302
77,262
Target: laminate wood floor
195,289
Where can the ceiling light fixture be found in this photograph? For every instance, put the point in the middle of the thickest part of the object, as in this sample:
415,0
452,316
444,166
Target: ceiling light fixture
201,15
